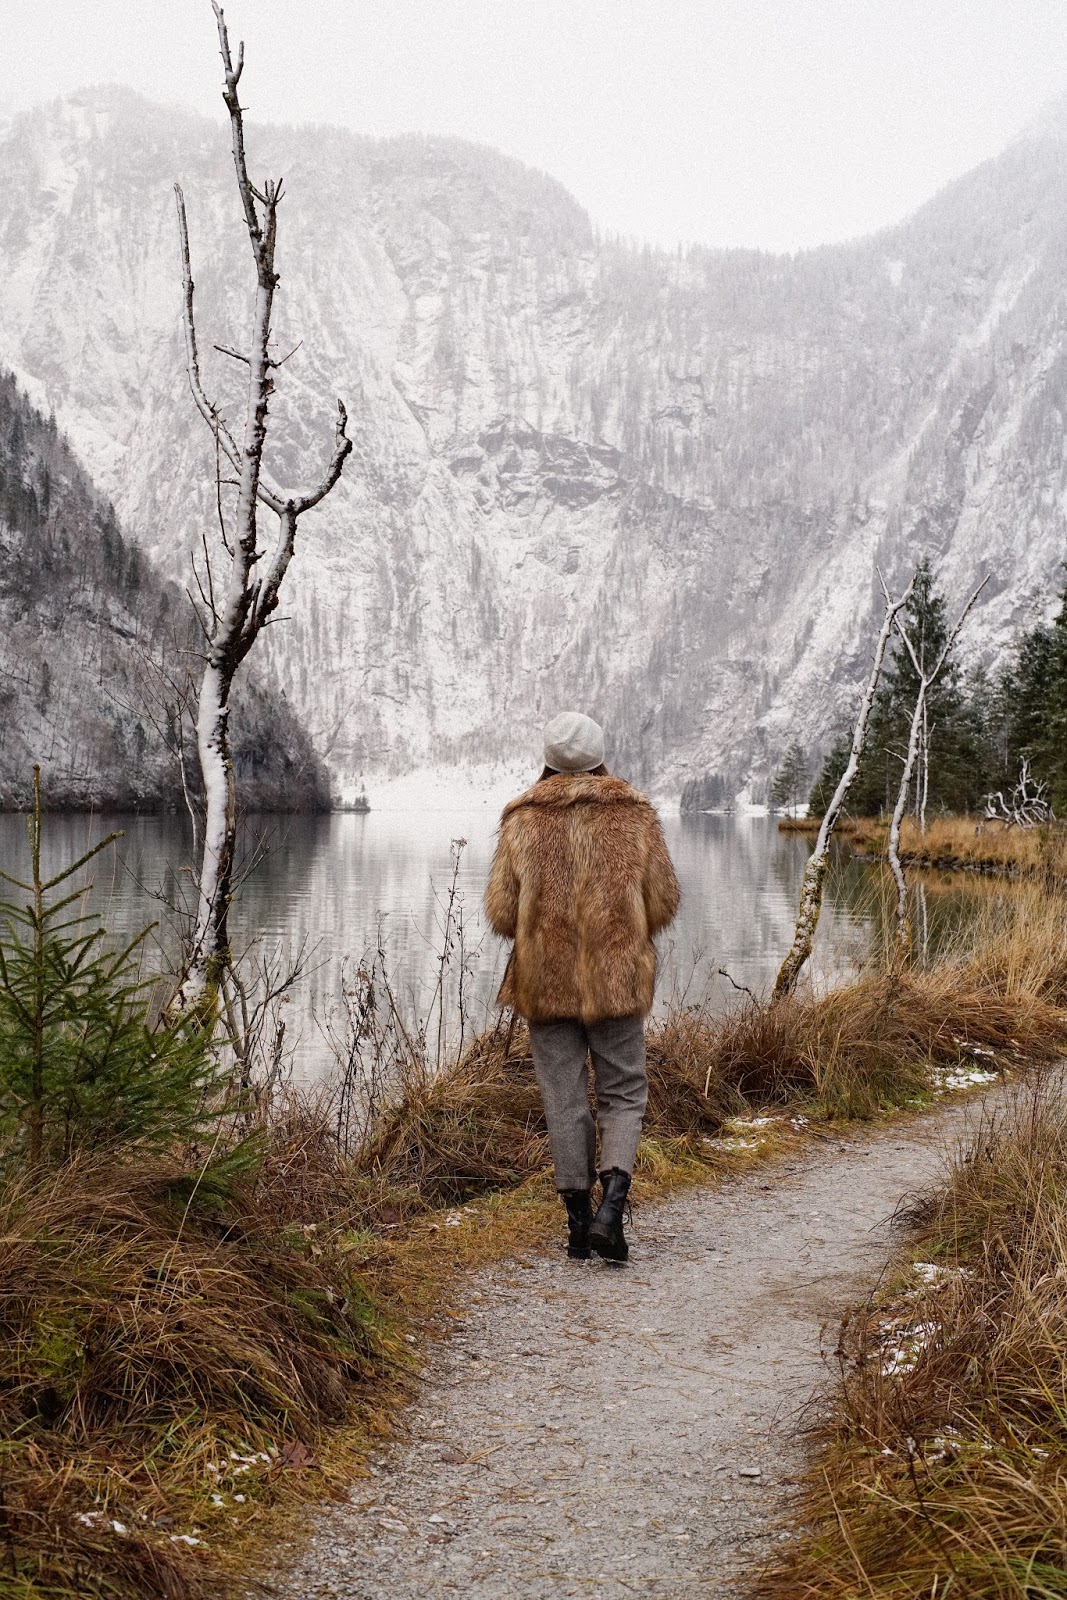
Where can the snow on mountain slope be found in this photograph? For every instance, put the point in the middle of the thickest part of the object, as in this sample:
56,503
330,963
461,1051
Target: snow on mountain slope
652,485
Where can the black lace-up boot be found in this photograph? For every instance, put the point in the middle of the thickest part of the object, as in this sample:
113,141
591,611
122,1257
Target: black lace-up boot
606,1235
579,1216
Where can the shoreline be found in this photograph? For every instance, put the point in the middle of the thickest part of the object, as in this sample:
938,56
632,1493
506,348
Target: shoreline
958,844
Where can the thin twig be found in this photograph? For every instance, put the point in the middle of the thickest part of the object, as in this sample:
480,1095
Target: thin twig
743,988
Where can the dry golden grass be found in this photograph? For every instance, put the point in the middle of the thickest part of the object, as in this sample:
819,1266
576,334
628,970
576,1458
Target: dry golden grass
147,1332
970,843
162,1351
944,1467
811,825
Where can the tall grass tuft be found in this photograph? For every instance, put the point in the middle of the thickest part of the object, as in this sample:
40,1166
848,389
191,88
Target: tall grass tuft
944,1466
161,1351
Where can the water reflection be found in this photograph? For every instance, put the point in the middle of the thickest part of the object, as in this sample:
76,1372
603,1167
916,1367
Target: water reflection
326,885
946,909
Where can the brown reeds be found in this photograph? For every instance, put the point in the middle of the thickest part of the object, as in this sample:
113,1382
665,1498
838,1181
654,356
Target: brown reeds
944,1466
479,1125
972,844
810,825
160,1355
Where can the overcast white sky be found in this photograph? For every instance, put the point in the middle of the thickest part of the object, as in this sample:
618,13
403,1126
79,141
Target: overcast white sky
778,123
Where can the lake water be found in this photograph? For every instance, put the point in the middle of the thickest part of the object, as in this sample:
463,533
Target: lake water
328,885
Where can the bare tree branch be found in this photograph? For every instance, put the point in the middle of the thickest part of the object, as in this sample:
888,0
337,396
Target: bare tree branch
1029,805
218,498
341,449
237,131
210,601
299,345
210,412
224,350
204,629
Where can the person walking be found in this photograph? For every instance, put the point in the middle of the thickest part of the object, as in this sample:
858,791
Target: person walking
581,882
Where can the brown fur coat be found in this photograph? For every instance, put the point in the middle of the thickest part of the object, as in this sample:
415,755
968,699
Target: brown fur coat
581,880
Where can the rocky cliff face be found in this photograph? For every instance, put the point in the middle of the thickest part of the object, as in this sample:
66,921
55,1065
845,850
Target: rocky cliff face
94,650
652,485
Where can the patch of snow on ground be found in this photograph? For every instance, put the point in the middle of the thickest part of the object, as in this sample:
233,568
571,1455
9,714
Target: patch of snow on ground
928,1271
734,1133
961,1077
911,1341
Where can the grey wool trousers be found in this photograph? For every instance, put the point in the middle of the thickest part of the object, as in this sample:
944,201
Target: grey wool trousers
560,1050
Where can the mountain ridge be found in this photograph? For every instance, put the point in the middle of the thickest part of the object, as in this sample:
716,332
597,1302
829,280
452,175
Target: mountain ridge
653,484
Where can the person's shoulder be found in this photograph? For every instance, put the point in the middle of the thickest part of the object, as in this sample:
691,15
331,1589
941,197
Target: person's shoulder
577,788
621,802
639,808
618,791
529,797
561,789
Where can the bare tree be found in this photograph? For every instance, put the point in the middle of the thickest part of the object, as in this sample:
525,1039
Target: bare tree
232,613
927,677
815,872
1027,807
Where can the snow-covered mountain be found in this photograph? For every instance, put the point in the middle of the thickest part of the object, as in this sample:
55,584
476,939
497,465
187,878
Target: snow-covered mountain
647,484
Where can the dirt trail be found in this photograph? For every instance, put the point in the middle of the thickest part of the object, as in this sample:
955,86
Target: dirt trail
597,1431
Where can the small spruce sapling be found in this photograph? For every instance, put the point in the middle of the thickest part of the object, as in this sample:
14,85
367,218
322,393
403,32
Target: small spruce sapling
81,1067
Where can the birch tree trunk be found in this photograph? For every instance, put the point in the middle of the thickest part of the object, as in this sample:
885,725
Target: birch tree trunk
902,939
917,736
924,788
233,619
811,890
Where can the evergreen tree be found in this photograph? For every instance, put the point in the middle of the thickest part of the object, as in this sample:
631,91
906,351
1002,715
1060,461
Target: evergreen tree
80,1066
1030,709
830,775
791,779
706,793
957,738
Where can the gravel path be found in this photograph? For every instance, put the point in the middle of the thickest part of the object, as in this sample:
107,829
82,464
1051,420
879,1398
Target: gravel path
612,1432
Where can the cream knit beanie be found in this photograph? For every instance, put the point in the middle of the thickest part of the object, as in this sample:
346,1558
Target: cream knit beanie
573,743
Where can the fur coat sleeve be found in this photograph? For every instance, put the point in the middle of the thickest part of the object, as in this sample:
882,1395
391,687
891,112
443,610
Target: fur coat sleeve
661,883
502,892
